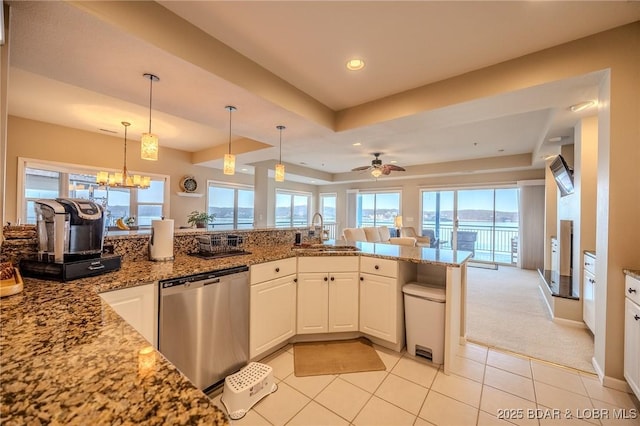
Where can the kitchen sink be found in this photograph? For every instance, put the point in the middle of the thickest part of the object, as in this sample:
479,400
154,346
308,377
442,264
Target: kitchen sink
324,248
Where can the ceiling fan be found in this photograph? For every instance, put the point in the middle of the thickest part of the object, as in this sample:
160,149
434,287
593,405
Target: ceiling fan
377,168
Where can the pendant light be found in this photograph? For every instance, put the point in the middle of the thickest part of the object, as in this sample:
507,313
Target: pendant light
149,141
279,175
229,166
123,180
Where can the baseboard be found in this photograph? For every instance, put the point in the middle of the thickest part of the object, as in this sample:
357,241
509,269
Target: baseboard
572,323
610,382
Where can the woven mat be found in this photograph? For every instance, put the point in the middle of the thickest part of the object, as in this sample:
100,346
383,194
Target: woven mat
338,357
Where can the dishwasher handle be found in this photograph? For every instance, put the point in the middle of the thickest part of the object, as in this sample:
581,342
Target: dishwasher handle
211,281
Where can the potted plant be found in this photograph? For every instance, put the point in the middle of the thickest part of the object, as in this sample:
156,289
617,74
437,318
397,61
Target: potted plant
200,219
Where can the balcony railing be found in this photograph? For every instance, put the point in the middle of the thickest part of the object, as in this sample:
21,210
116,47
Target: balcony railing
493,244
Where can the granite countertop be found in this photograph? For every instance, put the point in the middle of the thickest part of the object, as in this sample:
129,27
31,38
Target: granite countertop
68,358
635,273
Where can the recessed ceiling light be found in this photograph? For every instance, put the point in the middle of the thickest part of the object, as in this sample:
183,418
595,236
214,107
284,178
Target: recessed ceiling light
555,139
355,64
393,161
244,170
356,144
583,105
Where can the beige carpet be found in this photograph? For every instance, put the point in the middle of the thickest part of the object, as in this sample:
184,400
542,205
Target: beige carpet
506,310
337,357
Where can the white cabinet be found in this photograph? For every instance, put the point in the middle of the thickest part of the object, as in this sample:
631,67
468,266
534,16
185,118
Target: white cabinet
139,307
272,312
589,291
555,255
327,294
632,334
381,313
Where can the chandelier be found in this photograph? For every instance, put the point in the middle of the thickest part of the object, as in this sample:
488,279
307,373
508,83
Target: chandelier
123,179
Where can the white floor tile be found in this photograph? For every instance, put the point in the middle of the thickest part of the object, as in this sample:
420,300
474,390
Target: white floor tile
505,406
561,399
473,351
279,407
343,398
369,380
422,422
282,364
509,382
415,371
559,377
403,393
458,388
315,414
389,358
442,410
485,419
468,368
612,396
511,363
311,386
251,418
378,412
613,415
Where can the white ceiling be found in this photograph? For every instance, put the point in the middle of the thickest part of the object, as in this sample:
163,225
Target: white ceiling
70,68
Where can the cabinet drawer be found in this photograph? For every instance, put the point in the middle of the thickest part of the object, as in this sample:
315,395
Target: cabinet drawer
589,263
632,288
384,267
328,264
270,270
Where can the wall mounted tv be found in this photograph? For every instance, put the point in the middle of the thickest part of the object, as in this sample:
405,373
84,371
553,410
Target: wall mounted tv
563,175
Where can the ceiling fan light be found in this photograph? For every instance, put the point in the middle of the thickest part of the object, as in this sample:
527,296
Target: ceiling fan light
229,166
279,176
149,147
376,173
355,64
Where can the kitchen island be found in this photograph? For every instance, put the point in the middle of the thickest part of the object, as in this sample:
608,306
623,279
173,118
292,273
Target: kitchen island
68,358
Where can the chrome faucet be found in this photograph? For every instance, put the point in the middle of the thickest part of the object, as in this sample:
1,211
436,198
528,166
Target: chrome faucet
318,230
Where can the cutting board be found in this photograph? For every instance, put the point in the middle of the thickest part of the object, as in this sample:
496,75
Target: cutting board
11,285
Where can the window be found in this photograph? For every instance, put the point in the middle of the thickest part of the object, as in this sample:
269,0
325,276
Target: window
292,208
41,179
377,208
328,207
232,205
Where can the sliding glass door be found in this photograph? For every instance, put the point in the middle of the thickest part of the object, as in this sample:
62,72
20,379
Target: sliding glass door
483,221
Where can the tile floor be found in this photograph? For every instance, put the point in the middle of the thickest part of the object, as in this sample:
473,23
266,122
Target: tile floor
486,384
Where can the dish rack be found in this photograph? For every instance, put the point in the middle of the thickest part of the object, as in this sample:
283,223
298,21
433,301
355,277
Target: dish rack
220,244
245,388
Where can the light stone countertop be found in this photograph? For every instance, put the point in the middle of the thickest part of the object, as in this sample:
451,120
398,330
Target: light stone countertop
635,273
68,358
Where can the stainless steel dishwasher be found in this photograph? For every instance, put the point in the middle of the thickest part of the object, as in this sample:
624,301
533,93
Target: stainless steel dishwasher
204,324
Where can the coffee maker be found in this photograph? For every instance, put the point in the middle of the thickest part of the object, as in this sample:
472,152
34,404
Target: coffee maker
69,229
70,238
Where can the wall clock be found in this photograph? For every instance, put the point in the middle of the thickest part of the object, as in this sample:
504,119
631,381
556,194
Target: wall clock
188,184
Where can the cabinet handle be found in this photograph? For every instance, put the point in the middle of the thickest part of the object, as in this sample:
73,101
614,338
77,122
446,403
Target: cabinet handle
325,278
631,290
636,317
277,269
361,278
332,278
295,280
592,281
376,267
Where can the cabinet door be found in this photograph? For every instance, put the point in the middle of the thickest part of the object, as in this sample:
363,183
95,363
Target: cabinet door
343,301
632,345
313,299
378,304
139,307
272,314
588,300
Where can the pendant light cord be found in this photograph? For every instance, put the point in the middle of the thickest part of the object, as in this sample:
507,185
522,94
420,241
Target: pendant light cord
281,128
125,149
230,111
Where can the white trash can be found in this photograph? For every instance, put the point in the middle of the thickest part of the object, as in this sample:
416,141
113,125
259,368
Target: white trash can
424,320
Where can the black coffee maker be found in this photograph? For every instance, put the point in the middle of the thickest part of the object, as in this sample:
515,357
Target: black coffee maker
70,238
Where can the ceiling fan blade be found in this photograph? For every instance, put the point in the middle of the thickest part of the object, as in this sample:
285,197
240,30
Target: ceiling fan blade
358,169
394,168
386,170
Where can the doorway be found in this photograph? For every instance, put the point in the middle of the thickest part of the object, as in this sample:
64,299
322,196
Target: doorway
484,221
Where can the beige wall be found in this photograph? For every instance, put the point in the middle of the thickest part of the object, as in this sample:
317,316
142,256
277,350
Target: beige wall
50,142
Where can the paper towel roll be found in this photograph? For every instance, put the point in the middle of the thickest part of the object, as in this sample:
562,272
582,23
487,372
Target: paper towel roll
161,242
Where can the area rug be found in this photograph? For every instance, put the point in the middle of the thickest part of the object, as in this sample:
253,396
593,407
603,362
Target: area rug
337,357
